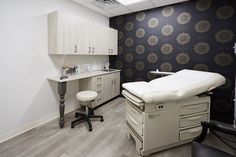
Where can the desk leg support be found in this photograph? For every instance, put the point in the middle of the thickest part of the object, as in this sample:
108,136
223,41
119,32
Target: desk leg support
62,92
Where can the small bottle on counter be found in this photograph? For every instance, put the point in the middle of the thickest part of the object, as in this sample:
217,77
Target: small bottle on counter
77,71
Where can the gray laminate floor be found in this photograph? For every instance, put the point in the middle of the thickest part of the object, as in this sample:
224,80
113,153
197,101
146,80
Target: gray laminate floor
108,139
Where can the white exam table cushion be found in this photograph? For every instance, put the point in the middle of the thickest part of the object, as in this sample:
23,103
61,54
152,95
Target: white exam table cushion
182,84
135,100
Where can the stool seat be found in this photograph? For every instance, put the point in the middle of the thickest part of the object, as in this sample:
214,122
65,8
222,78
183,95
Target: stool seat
86,95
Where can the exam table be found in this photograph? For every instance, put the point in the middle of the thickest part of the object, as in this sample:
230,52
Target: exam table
167,112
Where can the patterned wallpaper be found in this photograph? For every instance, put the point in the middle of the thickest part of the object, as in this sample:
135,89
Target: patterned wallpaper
193,35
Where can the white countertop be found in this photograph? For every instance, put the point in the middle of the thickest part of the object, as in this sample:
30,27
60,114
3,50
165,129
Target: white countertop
82,75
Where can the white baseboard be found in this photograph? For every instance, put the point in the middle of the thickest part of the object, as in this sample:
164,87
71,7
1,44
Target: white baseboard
27,127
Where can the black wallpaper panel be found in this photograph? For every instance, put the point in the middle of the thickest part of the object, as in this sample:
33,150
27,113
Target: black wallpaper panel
193,35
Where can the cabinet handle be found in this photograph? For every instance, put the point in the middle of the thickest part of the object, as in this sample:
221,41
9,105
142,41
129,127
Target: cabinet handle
75,48
99,78
99,91
93,50
89,49
111,50
99,85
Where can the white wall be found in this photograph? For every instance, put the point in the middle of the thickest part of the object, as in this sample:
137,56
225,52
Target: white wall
27,98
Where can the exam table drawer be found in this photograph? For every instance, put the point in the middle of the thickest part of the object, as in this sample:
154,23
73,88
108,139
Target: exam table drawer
194,120
134,124
190,133
186,110
134,113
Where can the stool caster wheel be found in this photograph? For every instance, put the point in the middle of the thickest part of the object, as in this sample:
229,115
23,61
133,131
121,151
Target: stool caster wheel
102,119
76,115
92,112
90,129
72,126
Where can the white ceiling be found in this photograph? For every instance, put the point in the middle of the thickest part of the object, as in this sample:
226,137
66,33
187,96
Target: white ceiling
120,9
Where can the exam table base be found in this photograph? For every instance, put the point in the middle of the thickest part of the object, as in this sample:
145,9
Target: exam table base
139,147
156,127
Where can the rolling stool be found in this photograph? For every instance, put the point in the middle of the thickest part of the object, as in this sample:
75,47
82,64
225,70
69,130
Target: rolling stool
86,96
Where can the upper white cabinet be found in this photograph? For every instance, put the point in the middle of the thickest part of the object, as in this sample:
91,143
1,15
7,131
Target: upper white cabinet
111,47
61,31
68,34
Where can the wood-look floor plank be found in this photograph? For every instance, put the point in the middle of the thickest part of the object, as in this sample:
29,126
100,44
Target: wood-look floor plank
108,139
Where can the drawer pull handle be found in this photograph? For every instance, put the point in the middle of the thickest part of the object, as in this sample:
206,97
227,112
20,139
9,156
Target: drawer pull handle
99,91
195,118
153,115
99,78
132,119
99,85
191,107
194,106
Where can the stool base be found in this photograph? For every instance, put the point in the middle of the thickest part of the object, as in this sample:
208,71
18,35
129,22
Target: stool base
81,117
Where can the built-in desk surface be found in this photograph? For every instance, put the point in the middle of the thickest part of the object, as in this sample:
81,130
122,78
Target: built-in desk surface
81,76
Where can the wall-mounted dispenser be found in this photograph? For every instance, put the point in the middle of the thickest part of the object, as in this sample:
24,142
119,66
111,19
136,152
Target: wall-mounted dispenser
235,92
235,48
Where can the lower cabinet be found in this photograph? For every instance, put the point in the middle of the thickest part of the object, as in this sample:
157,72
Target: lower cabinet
111,85
107,86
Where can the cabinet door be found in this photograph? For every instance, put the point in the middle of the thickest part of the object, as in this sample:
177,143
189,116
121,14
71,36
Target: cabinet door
107,47
110,41
67,36
114,41
83,36
91,38
95,38
61,33
99,39
116,84
108,87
